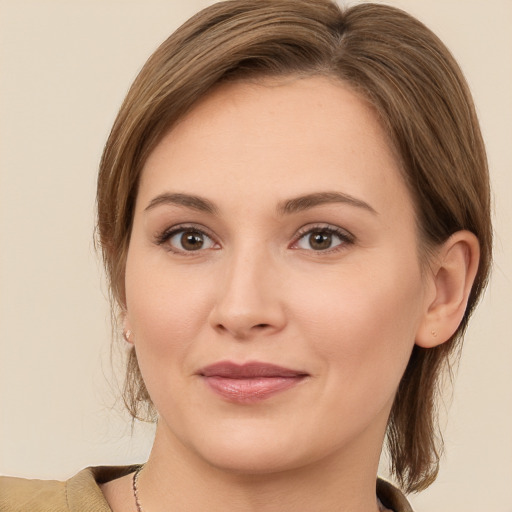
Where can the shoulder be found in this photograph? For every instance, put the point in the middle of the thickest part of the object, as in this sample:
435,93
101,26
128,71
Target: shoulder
79,493
20,494
392,497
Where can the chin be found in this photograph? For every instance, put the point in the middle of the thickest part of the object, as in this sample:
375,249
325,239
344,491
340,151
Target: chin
257,460
246,449
259,449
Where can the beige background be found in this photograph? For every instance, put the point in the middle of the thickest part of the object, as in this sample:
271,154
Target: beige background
65,67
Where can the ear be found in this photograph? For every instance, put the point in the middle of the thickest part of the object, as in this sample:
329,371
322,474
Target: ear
453,272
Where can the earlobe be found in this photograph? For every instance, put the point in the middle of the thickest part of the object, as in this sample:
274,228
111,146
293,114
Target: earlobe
453,274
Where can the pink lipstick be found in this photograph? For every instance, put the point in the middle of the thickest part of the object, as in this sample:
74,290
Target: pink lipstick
250,382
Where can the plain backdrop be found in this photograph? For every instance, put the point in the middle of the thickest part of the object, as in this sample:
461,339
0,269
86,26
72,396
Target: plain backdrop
65,66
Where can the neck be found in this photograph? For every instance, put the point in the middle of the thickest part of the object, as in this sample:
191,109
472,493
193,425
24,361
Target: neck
182,480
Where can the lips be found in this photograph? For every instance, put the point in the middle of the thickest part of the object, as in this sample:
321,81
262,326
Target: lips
251,382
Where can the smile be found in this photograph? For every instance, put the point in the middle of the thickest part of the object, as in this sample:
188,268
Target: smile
251,382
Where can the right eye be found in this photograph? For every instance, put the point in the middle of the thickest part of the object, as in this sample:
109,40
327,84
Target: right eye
182,240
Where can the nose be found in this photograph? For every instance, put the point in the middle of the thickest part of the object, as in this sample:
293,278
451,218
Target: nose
249,299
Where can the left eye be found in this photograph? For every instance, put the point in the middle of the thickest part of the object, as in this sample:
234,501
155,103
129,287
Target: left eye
320,240
190,240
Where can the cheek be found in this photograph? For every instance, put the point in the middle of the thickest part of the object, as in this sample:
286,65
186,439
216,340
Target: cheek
362,320
165,309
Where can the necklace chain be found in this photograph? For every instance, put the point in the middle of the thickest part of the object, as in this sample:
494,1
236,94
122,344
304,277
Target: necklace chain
136,489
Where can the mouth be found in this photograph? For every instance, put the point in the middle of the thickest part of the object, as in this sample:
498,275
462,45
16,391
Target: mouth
250,382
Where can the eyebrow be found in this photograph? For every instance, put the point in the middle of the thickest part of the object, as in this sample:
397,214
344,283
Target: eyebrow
290,206
189,201
308,201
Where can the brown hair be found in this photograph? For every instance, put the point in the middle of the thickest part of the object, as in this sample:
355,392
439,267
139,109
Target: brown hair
423,101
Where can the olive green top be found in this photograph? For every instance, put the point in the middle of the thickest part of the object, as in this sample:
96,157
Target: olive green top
81,493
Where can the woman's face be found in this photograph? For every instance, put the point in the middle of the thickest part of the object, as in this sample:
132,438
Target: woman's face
273,284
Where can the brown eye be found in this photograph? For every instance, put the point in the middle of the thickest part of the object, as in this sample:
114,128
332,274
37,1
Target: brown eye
323,239
192,241
188,240
320,241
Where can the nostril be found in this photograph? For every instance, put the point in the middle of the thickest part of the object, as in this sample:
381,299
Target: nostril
242,331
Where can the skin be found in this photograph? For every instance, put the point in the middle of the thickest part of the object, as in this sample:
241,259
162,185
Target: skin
259,290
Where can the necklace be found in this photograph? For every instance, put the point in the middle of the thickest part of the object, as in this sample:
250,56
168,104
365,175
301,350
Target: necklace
135,488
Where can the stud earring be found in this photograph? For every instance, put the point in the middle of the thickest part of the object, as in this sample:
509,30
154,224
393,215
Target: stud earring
434,333
126,335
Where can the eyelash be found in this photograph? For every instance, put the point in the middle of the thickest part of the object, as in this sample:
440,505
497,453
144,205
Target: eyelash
345,237
168,234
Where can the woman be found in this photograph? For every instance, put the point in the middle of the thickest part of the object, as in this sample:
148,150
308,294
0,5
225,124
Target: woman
293,209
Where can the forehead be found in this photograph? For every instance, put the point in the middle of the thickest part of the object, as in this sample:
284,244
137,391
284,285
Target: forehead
276,138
